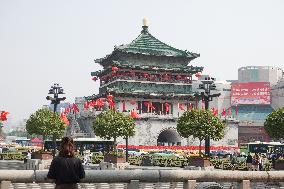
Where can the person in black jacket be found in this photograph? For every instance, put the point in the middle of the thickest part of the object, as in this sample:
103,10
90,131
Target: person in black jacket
66,169
249,162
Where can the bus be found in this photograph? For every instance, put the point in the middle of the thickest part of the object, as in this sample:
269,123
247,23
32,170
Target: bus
263,147
92,144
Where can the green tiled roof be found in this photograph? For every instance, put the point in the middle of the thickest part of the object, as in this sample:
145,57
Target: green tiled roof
147,44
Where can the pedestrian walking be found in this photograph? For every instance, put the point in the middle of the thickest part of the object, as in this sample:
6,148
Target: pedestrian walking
66,169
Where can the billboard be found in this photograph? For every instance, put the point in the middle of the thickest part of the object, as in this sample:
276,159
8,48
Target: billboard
250,93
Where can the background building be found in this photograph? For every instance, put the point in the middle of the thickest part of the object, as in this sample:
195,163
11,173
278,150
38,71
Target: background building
253,99
260,74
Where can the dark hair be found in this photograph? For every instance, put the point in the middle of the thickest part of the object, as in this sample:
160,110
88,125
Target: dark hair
67,147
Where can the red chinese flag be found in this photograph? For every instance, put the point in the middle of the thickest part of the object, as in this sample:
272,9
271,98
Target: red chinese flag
64,118
75,108
111,104
93,103
86,105
3,116
67,110
99,102
134,114
109,98
214,111
167,107
223,112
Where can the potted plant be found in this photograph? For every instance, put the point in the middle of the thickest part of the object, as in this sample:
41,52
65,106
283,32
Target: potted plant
43,155
115,157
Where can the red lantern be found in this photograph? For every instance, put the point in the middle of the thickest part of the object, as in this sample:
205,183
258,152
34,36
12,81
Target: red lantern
114,69
198,75
178,77
133,102
146,75
132,73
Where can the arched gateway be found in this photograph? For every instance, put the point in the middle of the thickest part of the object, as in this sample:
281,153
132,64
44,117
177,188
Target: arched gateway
169,137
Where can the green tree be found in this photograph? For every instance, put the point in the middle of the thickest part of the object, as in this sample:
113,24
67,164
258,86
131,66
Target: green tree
274,124
199,124
112,124
46,123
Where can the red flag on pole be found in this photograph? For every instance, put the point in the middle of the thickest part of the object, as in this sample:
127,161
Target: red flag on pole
86,105
99,103
64,118
223,112
214,111
134,114
3,116
75,108
167,107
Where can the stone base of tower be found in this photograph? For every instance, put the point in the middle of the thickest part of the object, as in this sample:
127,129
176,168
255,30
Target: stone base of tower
151,132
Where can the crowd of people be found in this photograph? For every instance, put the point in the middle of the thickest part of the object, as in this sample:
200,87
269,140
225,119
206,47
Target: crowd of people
256,161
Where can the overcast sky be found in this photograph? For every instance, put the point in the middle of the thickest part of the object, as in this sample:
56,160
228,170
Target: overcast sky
42,42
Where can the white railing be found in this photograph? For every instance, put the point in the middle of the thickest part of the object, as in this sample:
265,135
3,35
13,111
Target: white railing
134,177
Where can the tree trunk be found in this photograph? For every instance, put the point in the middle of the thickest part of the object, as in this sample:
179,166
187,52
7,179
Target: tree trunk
114,144
54,145
43,140
200,147
126,148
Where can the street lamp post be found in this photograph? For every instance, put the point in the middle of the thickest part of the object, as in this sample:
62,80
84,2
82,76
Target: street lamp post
55,100
207,85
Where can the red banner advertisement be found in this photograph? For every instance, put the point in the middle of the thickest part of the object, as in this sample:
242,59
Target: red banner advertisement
250,93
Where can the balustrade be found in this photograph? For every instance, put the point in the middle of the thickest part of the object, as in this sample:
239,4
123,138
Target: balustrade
189,178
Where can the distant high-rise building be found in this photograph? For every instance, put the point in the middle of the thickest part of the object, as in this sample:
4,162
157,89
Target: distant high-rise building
269,74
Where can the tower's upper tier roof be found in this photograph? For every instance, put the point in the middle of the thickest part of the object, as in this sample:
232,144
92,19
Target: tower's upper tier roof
147,44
